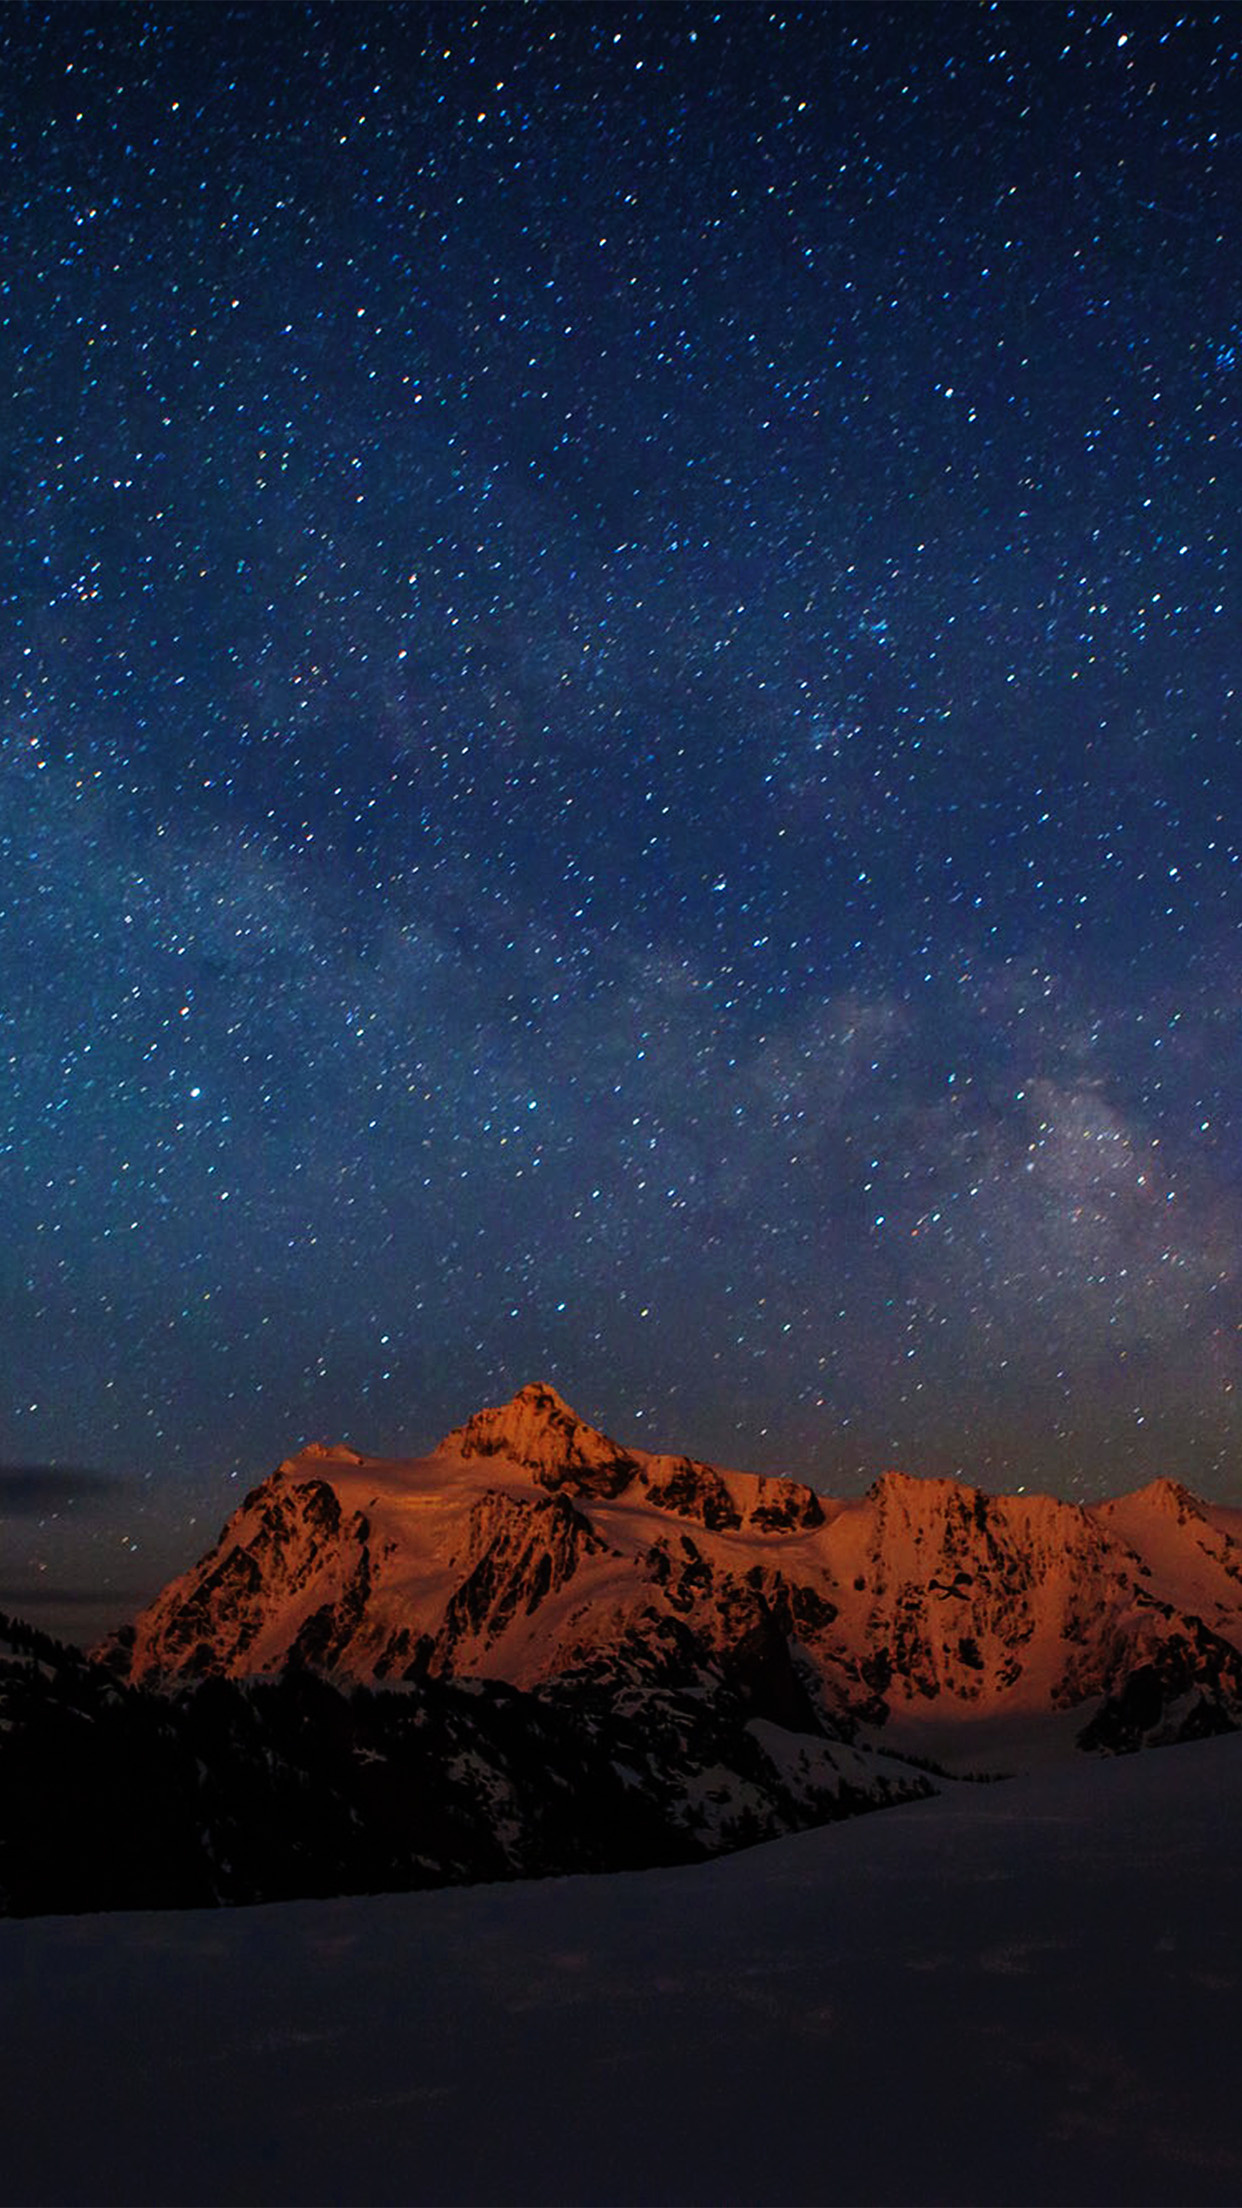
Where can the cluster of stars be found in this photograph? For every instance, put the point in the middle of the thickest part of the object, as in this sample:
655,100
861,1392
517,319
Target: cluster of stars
619,754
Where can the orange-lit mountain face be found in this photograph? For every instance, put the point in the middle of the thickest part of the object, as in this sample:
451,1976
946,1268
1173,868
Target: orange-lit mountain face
531,1549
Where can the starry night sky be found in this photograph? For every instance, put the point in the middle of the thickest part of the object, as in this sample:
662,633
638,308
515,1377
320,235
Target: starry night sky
619,756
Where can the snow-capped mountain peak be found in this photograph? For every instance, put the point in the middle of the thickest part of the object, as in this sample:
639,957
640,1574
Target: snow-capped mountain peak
538,1430
531,1548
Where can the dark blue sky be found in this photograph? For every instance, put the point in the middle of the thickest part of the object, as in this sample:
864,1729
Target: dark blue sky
620,754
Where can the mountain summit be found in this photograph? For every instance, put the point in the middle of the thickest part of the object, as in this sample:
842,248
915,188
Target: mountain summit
538,1430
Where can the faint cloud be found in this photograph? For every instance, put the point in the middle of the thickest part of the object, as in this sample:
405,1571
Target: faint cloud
34,1490
21,1596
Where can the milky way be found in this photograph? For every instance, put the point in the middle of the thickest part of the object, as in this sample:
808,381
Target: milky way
619,757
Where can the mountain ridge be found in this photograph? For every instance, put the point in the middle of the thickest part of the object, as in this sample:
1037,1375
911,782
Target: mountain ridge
530,1547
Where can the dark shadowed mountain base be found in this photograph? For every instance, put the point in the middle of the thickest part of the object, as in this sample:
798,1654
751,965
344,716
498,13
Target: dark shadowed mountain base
121,1797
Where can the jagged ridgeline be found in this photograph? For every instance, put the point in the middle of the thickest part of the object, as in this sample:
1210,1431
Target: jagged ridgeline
536,1650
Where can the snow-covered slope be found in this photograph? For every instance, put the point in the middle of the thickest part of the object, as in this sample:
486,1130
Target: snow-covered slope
1011,1994
533,1549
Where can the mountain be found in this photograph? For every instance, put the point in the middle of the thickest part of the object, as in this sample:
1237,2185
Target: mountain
532,1549
537,1651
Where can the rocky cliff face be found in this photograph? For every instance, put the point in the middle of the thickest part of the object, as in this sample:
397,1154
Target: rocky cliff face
529,1548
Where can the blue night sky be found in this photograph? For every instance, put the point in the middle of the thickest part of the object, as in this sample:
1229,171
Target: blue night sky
619,757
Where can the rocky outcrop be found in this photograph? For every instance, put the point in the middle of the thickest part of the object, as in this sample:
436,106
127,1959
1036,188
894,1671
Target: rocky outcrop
538,1431
691,1490
291,1551
518,1553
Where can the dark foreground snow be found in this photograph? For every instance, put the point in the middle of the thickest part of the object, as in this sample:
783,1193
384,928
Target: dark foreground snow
1025,1992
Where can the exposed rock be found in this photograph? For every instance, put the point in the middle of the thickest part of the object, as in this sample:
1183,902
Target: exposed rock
539,1431
692,1490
